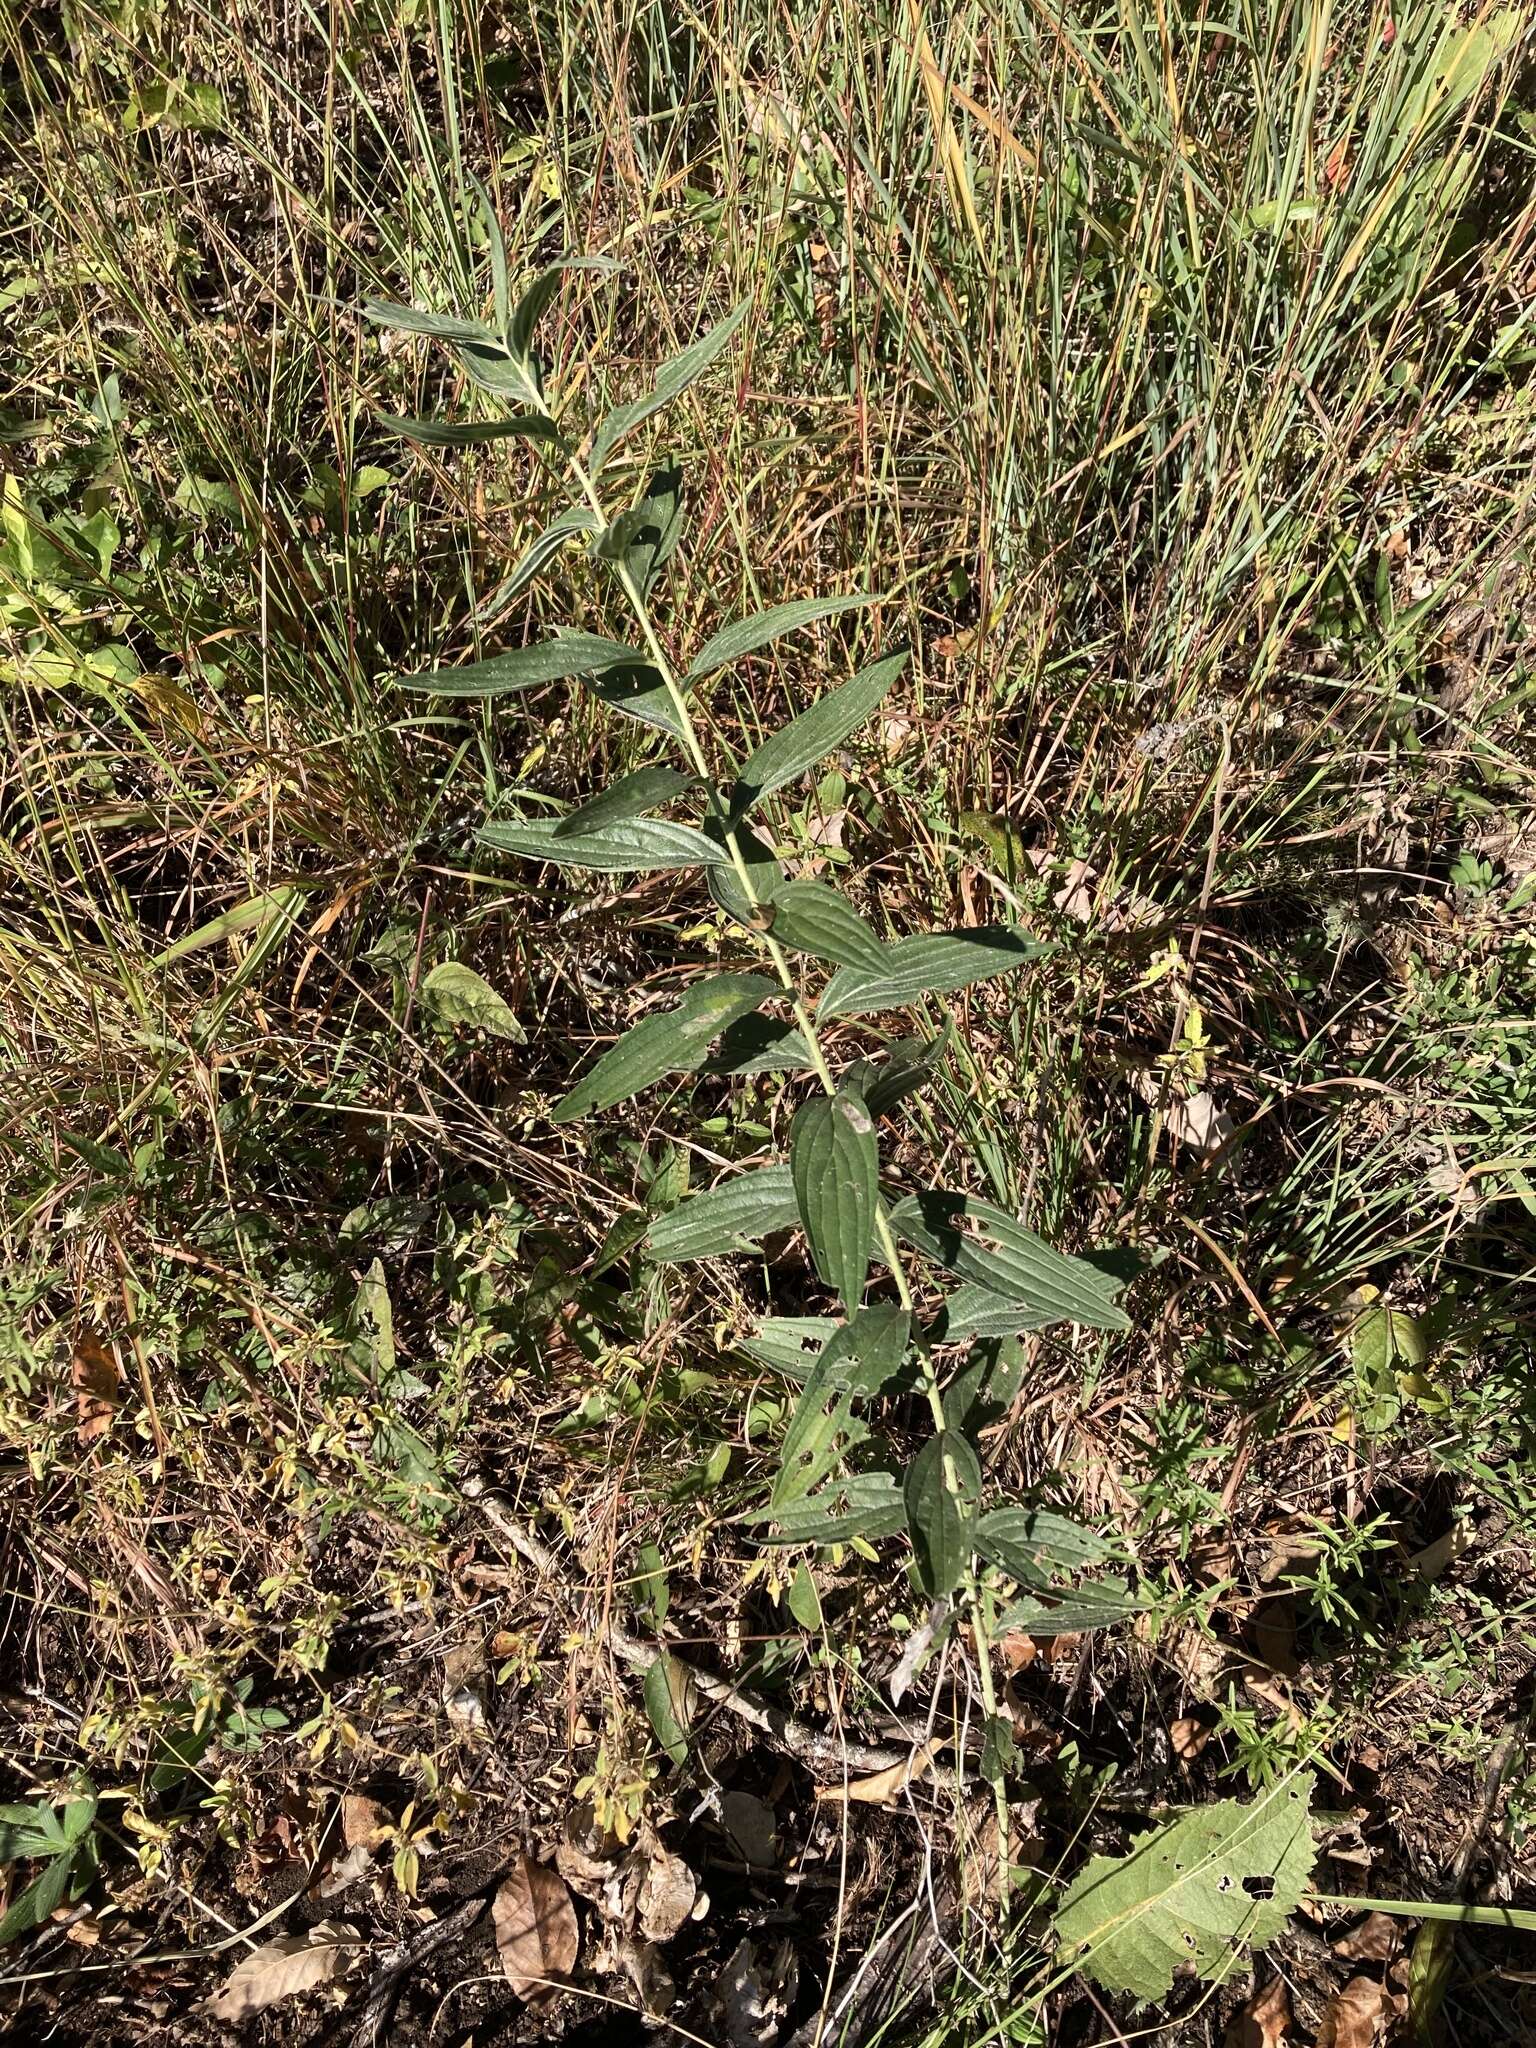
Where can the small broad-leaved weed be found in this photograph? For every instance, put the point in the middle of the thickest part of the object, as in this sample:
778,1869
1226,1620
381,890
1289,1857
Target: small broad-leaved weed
701,810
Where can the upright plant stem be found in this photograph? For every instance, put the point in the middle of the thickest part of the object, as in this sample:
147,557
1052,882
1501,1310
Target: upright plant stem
693,746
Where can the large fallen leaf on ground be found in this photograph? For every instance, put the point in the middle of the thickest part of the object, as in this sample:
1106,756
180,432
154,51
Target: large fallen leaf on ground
1196,1891
1353,2016
93,1375
1265,2021
536,1933
281,1968
667,1894
1376,1940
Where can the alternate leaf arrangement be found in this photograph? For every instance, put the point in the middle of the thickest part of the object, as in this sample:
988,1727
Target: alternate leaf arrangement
829,1488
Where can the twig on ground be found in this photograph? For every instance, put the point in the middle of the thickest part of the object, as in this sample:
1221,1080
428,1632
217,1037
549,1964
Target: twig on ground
399,1961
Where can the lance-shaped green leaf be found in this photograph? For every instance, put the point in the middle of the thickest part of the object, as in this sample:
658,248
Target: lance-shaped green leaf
668,1689
531,308
987,1388
855,1363
835,1160
527,426
978,1312
675,1042
1008,1259
638,692
577,519
935,963
760,1045
1069,1610
907,1064
1030,1543
674,379
867,1504
744,636
535,301
630,797
495,241
643,538
274,909
942,1490
1193,1893
808,738
632,846
447,327
524,668
729,1218
812,917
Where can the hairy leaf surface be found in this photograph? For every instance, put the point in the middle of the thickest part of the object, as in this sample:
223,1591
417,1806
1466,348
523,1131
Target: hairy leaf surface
745,636
812,917
727,1218
630,797
941,1510
675,1042
934,963
524,668
835,1160
1016,1263
811,736
673,380
632,845
1198,1891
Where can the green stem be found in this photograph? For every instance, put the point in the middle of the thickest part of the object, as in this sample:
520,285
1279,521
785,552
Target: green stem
1519,1918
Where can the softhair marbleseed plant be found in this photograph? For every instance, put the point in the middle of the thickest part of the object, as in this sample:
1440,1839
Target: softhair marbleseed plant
831,1485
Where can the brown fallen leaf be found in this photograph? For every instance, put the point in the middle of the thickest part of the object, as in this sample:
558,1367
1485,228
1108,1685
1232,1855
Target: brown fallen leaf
1376,1940
365,1823
536,1933
666,1897
1352,2015
1264,2021
1188,1737
884,1785
94,1376
348,1869
1019,1651
282,1968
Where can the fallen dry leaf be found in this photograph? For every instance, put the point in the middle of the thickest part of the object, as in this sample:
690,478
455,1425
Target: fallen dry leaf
365,1823
1352,2015
1188,1737
1197,1125
94,1376
536,1933
281,1968
756,1988
1375,1940
1264,2021
884,1785
1018,1650
667,1893
648,1973
348,1869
